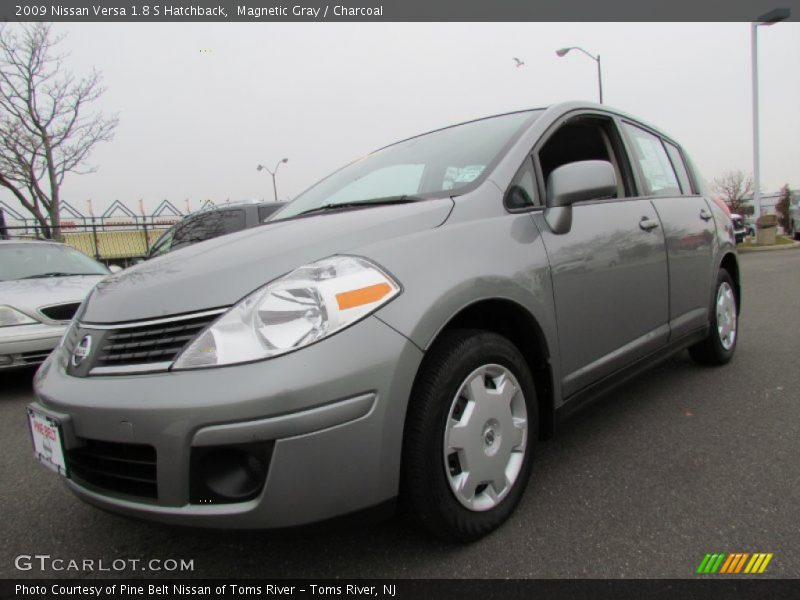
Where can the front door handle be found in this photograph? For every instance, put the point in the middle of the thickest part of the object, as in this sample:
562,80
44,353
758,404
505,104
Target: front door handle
648,224
705,215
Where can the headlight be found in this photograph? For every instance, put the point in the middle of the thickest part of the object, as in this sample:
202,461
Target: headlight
11,316
300,308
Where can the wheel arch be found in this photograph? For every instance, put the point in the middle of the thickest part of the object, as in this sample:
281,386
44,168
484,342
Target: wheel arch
730,263
513,321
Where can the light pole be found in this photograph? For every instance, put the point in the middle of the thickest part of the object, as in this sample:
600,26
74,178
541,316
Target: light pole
563,52
273,172
770,18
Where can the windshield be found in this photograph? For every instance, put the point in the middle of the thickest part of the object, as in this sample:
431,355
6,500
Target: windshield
26,261
442,161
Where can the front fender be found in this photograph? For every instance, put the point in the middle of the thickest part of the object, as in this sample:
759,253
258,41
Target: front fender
462,262
725,253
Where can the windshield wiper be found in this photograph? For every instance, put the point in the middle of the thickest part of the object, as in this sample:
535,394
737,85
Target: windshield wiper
55,274
374,202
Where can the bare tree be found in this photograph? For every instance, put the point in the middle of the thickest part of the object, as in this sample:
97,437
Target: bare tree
734,187
783,206
46,129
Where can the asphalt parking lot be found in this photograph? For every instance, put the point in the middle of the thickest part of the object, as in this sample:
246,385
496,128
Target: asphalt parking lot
680,462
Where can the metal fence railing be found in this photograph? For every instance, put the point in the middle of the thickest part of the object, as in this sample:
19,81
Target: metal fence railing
119,236
112,241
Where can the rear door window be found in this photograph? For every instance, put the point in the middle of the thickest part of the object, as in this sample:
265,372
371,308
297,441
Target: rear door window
654,164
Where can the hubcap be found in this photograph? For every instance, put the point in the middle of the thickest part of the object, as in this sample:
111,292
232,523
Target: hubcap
485,437
726,315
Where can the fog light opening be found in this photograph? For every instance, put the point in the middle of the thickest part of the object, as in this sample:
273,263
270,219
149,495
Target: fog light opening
226,474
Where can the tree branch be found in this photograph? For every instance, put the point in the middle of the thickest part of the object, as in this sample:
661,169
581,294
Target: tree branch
46,130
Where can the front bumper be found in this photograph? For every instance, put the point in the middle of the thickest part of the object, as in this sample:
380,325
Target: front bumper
333,413
28,345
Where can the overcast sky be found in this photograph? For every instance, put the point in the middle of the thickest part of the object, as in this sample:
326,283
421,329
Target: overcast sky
200,105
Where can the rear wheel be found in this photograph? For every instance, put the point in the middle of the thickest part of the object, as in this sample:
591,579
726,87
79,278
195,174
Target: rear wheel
470,431
719,346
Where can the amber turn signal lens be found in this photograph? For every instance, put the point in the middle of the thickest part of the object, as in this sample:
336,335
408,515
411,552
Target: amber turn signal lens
361,296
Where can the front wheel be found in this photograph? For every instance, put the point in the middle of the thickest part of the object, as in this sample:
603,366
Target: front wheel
470,432
719,346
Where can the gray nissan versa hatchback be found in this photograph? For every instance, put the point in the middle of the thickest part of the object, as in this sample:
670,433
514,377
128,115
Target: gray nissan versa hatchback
408,327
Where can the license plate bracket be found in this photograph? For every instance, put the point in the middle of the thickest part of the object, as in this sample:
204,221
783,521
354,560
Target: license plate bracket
48,441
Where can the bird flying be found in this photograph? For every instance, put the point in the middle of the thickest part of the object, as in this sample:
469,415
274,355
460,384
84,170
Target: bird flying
518,61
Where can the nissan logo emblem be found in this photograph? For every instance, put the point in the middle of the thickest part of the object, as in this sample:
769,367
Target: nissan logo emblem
82,350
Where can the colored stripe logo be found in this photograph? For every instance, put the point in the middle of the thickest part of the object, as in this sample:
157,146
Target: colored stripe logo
734,563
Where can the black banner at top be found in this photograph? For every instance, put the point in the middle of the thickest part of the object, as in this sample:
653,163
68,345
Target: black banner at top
390,10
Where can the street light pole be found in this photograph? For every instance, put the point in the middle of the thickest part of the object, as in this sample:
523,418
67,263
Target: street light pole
274,185
770,18
756,157
563,52
600,79
273,172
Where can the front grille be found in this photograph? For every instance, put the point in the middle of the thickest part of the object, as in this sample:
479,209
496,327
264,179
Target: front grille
149,343
34,358
60,312
128,469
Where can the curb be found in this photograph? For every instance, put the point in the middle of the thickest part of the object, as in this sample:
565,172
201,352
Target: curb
792,246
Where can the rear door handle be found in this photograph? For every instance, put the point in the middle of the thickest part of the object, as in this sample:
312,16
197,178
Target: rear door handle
705,215
648,224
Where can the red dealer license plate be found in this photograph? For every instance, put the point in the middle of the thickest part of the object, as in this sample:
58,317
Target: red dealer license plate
48,446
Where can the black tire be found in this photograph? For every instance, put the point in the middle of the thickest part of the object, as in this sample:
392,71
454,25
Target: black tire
425,488
711,350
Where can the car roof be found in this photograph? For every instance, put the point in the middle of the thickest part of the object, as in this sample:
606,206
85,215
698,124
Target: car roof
576,105
453,125
559,108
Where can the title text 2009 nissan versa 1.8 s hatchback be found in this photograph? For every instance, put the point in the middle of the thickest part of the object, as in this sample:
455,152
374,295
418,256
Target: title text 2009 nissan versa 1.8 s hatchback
409,326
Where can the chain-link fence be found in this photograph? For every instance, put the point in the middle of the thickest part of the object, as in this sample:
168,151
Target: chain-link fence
112,241
119,236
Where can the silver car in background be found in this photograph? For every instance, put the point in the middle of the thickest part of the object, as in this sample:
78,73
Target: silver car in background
41,286
408,327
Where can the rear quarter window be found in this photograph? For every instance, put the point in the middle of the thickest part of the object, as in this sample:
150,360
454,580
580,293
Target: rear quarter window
680,168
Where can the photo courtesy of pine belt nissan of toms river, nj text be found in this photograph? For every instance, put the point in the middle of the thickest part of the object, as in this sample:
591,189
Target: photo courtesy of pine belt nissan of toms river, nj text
407,328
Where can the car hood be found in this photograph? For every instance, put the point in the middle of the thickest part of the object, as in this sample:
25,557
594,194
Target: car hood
221,271
28,295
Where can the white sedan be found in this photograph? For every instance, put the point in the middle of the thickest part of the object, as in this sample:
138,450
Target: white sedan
42,284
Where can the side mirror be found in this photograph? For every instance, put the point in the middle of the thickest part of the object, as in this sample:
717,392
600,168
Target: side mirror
114,268
576,182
